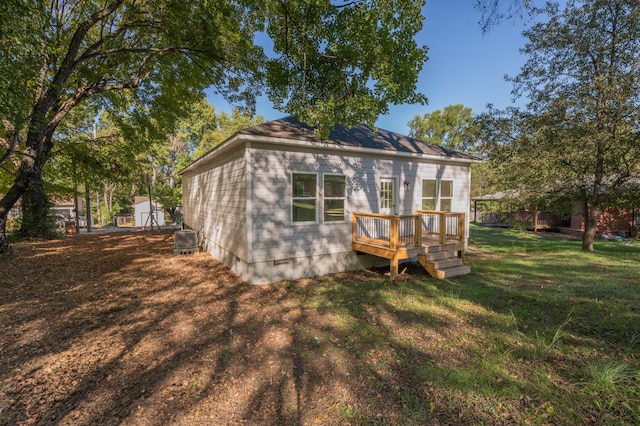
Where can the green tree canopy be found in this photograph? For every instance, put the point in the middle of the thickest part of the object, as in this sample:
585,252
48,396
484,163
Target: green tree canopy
579,138
451,127
225,126
333,62
200,131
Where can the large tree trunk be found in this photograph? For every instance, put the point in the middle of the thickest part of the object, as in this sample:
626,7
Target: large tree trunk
35,209
29,176
20,184
590,215
5,247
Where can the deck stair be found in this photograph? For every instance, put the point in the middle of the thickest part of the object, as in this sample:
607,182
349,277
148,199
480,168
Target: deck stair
442,263
435,238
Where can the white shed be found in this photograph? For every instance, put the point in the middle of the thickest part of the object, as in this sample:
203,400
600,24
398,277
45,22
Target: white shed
141,212
276,202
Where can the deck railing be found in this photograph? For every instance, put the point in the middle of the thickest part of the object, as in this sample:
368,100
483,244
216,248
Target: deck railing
400,231
443,225
386,230
401,237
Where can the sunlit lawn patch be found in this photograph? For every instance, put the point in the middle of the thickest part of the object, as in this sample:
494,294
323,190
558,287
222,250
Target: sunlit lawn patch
518,340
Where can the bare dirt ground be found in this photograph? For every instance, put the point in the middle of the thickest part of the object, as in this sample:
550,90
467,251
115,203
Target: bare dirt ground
109,329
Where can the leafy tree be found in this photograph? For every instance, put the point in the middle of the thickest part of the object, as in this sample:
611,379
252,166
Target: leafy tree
201,130
165,161
198,126
343,62
227,125
94,153
452,127
579,138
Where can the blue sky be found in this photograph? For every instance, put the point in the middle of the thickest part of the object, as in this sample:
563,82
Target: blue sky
465,66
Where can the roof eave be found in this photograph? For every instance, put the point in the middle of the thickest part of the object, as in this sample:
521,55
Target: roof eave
226,146
356,149
240,138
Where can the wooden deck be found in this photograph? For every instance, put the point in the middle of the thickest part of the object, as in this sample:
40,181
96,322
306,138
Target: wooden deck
435,238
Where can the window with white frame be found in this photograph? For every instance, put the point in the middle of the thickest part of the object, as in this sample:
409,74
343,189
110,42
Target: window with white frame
304,197
446,195
437,195
429,187
334,198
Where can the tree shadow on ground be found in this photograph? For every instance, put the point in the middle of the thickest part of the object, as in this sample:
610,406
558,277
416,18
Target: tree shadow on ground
116,330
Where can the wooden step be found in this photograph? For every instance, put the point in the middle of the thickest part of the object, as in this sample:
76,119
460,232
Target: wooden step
436,248
446,263
448,260
452,272
439,255
444,268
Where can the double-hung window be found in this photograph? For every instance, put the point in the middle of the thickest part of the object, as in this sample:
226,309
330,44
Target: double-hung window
334,196
306,200
437,195
304,197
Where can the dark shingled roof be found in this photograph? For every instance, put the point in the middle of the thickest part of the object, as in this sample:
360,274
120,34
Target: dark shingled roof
359,136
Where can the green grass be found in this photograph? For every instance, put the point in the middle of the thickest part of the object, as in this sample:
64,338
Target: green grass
540,332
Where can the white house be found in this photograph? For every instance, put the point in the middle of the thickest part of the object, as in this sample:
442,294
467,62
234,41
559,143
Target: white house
141,210
275,201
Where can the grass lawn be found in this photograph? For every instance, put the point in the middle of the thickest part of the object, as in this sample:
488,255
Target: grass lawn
539,333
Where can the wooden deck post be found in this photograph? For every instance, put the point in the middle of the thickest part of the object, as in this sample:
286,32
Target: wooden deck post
418,230
462,221
443,227
393,231
393,242
393,267
354,229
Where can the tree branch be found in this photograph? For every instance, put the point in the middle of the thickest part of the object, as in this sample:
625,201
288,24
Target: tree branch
11,146
69,62
87,90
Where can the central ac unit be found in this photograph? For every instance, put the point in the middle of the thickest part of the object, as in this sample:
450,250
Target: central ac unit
186,239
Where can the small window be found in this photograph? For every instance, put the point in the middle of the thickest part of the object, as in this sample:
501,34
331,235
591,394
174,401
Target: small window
334,196
304,198
428,194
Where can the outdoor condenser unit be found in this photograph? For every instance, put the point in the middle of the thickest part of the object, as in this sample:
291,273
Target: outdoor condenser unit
187,239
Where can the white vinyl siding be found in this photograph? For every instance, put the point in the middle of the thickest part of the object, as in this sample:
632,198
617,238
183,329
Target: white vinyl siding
215,203
275,236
